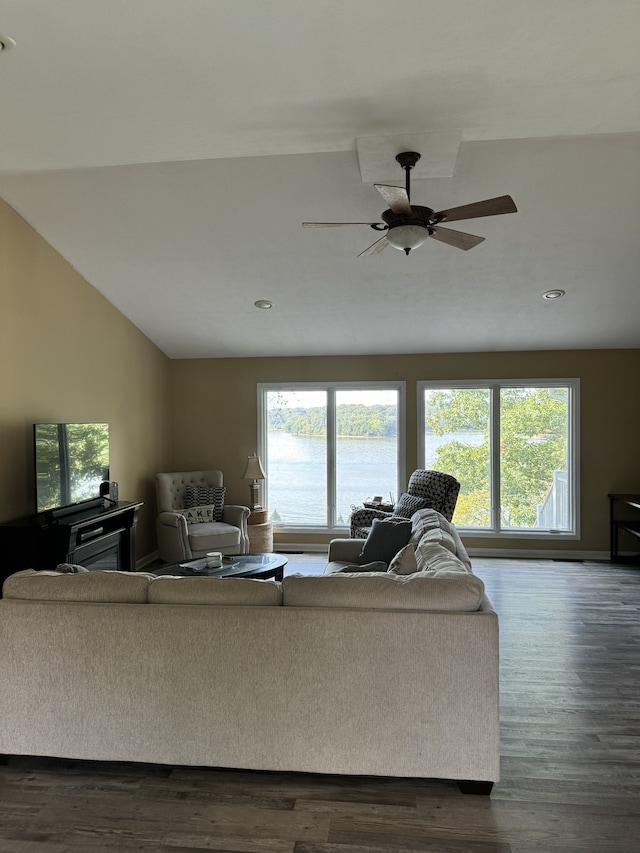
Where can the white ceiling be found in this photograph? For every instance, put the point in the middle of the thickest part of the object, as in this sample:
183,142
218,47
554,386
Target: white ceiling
170,149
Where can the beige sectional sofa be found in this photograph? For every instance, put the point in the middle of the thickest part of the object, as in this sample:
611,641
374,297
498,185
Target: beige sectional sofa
356,673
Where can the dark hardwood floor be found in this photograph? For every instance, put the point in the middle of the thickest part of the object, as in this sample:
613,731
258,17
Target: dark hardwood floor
570,724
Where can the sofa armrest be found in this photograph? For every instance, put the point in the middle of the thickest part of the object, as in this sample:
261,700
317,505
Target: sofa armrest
173,538
172,519
345,550
364,518
236,515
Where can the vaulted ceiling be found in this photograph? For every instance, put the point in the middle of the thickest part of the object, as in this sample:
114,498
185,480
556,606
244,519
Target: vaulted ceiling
170,150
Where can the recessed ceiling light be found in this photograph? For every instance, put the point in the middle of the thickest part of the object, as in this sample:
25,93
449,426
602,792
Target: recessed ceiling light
553,294
6,43
263,303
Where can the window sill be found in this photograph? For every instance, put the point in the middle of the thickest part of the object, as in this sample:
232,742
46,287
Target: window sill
546,535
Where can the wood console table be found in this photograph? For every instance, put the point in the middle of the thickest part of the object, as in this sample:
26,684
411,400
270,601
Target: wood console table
99,536
624,514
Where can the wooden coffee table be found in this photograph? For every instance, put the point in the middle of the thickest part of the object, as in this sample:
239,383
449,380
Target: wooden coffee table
241,566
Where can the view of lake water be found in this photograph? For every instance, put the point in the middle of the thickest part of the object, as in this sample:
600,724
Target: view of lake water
297,483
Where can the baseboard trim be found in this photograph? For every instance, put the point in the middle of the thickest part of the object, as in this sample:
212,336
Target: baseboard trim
146,561
298,547
539,554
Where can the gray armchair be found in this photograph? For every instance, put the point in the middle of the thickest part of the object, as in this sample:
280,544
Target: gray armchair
437,490
224,528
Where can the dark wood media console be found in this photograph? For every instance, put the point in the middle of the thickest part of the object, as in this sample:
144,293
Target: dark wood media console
101,535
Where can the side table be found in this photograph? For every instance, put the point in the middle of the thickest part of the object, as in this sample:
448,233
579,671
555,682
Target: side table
260,532
624,514
382,507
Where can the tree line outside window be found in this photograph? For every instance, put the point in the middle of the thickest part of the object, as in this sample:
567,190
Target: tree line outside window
512,446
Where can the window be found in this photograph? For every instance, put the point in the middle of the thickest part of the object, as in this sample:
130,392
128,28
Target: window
326,447
512,445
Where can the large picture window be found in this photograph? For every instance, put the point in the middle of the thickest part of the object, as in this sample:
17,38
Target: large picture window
326,447
512,446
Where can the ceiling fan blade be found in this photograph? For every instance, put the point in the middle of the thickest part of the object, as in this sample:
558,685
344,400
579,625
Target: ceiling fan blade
456,238
334,224
396,198
490,207
376,247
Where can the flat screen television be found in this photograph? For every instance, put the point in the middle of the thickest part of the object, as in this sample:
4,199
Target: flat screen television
71,463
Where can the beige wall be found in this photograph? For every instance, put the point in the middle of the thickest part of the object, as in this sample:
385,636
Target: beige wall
214,414
66,354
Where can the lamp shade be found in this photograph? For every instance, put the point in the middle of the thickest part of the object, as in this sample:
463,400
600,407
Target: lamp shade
254,469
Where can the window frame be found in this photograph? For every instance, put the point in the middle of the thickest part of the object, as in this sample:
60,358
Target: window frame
331,388
573,450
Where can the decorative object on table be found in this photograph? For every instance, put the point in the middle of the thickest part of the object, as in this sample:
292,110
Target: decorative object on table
214,560
383,507
254,473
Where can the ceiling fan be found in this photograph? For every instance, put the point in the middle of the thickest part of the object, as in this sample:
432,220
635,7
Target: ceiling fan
408,225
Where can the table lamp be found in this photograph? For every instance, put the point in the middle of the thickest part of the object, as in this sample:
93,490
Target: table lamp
254,473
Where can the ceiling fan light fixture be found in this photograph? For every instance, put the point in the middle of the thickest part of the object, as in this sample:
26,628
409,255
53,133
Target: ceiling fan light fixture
407,237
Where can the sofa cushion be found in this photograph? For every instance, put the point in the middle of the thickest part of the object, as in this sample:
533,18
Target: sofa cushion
213,536
428,522
404,562
203,496
376,591
433,557
120,587
408,504
428,525
387,537
239,591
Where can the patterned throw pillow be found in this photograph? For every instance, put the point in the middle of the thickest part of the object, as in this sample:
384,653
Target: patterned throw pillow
196,496
198,514
408,504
